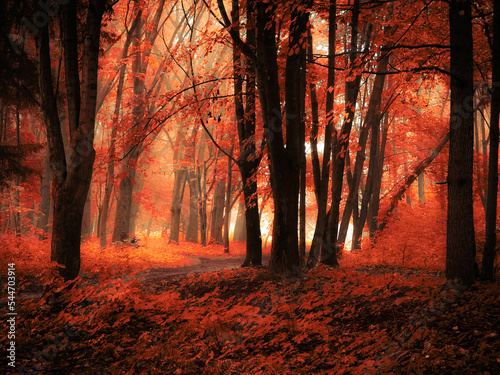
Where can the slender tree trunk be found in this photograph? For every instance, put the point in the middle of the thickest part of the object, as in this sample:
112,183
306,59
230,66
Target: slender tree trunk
377,178
202,205
240,225
227,208
321,181
17,193
218,213
110,172
87,217
124,201
341,144
490,247
44,210
143,41
248,161
421,188
410,178
192,228
175,210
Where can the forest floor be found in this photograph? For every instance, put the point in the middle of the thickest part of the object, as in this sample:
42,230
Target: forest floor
167,317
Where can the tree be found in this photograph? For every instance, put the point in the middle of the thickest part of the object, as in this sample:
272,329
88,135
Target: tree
460,243
71,178
487,270
249,160
284,161
321,179
341,144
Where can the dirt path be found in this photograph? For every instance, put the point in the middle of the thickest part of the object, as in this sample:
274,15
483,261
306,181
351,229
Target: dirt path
201,265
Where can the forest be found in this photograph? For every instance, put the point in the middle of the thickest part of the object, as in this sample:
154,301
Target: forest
249,186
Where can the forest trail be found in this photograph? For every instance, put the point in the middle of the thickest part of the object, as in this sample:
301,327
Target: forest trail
201,265
34,289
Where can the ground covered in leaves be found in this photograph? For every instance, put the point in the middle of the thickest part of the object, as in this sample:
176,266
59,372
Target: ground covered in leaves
350,320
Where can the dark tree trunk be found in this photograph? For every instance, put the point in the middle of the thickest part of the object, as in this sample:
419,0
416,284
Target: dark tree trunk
218,213
321,180
341,144
249,160
284,161
373,117
490,247
227,205
373,207
460,237
71,180
44,210
303,163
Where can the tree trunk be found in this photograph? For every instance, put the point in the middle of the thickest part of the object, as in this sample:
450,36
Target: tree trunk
321,181
124,201
341,144
377,178
44,210
227,208
192,228
202,205
373,118
303,163
175,210
284,161
240,225
249,161
87,217
421,188
218,213
490,247
460,237
71,180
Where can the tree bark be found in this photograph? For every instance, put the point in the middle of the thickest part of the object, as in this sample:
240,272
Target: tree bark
71,180
87,217
490,247
460,236
321,180
341,144
227,206
110,172
175,210
192,229
248,161
373,118
240,225
143,41
218,213
374,205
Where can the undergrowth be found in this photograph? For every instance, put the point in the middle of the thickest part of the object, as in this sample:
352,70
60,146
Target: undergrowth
362,318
